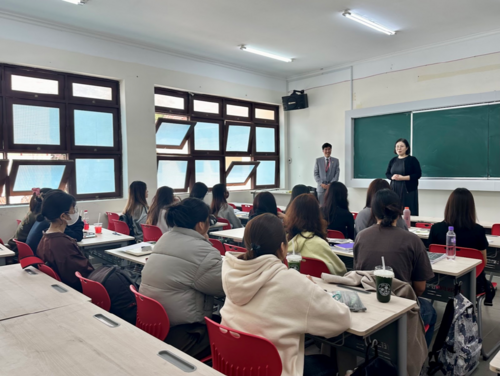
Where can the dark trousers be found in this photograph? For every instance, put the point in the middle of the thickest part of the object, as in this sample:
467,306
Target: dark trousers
429,317
319,365
191,339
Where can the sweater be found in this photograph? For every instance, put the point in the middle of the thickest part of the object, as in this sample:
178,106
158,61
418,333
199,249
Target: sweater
363,217
309,245
23,230
266,299
412,168
74,231
227,212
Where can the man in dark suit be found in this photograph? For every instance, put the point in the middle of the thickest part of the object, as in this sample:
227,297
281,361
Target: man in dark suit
326,171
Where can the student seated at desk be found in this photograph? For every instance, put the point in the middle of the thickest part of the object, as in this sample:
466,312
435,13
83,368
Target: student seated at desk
184,274
460,212
403,251
306,233
365,217
157,213
297,191
56,249
137,206
336,210
199,190
264,202
220,208
266,299
24,228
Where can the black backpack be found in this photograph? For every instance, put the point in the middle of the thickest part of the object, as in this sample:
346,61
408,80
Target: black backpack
117,283
134,230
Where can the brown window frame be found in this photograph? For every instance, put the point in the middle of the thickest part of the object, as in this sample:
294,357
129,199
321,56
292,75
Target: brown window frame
188,134
4,168
189,170
240,104
276,141
257,120
276,173
206,98
173,93
252,172
16,163
118,193
33,73
247,153
114,85
195,152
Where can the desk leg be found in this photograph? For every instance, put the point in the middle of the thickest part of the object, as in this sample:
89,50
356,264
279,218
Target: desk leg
402,345
472,287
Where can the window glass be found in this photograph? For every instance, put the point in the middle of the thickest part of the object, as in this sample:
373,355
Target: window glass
238,138
265,142
266,172
93,128
204,106
95,176
206,136
172,174
239,174
208,172
38,176
169,101
36,125
171,134
92,91
34,85
233,110
264,114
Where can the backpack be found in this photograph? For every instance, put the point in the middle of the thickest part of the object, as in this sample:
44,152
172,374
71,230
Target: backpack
117,283
134,229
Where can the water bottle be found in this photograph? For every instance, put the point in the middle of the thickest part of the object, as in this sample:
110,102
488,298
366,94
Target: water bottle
85,220
451,244
407,216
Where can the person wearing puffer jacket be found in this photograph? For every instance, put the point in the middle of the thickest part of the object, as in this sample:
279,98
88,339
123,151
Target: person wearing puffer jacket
266,299
184,274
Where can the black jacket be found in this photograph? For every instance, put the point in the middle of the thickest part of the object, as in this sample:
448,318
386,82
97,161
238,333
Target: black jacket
412,168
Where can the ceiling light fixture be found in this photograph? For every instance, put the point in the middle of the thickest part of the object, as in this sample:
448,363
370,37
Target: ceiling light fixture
368,23
77,2
248,49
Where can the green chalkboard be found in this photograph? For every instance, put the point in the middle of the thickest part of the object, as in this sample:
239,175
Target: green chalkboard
494,140
452,143
374,139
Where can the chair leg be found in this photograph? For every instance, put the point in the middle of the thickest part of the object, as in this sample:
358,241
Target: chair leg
485,354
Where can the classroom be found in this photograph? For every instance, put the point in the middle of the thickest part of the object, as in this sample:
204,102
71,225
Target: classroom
216,187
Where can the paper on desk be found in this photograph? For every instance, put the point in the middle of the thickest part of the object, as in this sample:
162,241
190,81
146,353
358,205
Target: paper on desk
135,246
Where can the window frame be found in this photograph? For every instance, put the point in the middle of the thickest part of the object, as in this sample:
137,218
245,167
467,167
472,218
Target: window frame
252,173
33,73
276,141
173,93
206,98
4,174
276,173
118,193
187,136
257,120
16,163
114,85
248,153
222,168
189,170
234,102
195,152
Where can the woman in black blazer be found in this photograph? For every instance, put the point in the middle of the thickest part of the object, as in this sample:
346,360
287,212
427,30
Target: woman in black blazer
403,172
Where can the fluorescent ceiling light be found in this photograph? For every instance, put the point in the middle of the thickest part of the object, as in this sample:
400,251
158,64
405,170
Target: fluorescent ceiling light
248,49
368,23
77,2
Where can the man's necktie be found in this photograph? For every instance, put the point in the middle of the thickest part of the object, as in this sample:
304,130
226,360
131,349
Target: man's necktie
327,165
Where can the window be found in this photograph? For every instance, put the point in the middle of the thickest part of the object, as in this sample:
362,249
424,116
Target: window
58,130
215,140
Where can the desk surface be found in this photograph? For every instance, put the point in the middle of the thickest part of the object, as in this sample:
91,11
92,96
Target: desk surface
123,255
70,341
377,314
235,233
107,237
418,218
423,233
6,252
22,293
495,363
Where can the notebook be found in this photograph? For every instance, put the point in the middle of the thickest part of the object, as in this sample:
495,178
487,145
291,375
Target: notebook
345,247
435,257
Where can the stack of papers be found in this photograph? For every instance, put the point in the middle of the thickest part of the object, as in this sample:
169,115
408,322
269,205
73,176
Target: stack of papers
139,249
339,241
345,246
435,257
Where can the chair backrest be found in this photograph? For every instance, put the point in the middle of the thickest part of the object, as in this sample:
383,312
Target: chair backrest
151,233
423,225
151,316
495,229
354,214
18,221
232,205
461,252
313,267
26,256
95,291
121,227
234,248
224,220
218,246
49,271
334,234
279,210
237,353
112,217
246,208
1,242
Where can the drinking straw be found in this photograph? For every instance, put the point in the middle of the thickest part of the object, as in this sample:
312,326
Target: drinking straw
383,263
293,247
99,218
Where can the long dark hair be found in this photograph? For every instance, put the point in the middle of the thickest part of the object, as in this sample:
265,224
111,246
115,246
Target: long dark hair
265,202
304,216
263,236
297,191
386,206
37,199
336,197
163,199
55,203
460,210
375,186
136,197
187,213
218,198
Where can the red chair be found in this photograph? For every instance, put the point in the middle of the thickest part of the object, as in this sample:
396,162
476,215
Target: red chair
423,225
223,220
121,227
313,267
95,291
151,316
112,217
1,242
495,229
26,255
49,271
234,248
475,254
246,208
279,210
151,233
334,234
354,214
232,205
237,353
18,221
218,246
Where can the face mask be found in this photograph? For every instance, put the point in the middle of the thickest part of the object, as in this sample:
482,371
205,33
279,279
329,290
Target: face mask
73,218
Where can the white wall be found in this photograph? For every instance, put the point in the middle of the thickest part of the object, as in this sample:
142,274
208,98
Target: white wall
139,71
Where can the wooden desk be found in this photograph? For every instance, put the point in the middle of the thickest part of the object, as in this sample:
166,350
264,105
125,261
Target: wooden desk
5,252
105,239
495,364
70,341
236,234
22,293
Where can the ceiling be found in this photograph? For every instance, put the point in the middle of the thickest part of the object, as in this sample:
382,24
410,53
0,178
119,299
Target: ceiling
313,32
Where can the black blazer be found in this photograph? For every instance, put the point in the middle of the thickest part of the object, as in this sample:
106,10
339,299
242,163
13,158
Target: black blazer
412,168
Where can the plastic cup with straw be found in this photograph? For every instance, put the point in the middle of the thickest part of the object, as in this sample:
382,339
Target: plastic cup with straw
383,282
98,225
294,259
